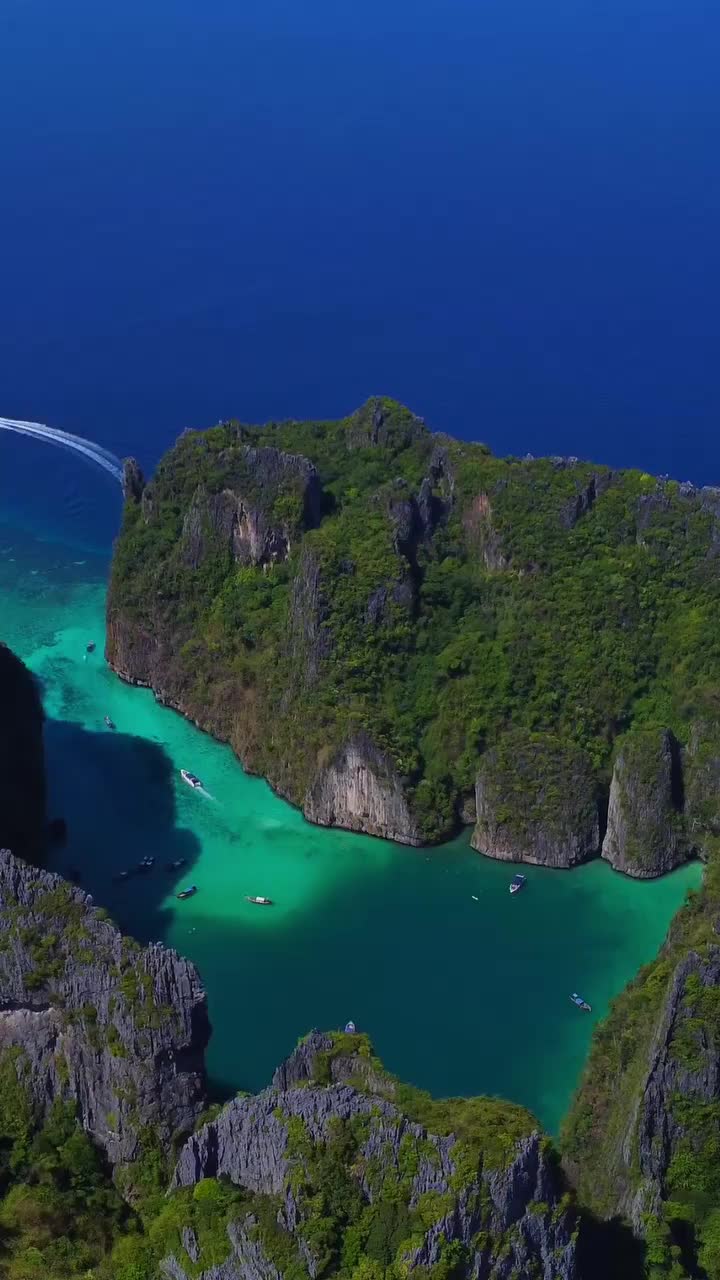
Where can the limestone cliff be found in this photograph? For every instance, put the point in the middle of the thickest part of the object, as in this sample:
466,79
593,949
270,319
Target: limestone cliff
645,830
95,1019
362,791
536,801
332,1135
300,587
641,1137
22,764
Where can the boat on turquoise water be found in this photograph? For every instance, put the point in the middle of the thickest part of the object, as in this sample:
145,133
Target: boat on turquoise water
517,883
581,1004
91,647
110,723
191,779
187,893
259,902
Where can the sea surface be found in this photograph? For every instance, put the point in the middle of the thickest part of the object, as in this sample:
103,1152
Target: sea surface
503,212
462,988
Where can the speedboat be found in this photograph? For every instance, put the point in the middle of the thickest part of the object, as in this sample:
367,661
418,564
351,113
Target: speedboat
260,902
517,883
91,647
110,724
146,864
176,865
187,893
581,1004
191,779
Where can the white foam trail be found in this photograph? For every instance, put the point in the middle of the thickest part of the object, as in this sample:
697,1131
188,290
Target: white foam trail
64,440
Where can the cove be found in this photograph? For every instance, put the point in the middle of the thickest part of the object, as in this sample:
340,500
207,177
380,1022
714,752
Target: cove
462,989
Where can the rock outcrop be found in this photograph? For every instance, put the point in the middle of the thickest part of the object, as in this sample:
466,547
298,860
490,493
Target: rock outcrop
288,586
645,833
267,499
360,789
133,480
22,759
643,1127
536,801
93,1018
496,1210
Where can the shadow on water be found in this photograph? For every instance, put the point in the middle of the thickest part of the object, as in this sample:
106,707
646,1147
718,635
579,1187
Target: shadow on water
117,795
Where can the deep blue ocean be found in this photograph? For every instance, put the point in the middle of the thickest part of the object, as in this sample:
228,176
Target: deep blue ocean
504,213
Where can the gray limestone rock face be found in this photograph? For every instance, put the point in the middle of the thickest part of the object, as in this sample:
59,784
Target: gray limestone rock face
133,480
483,536
646,833
92,1017
267,499
309,638
506,1216
536,801
247,1259
379,424
673,1105
585,499
701,784
361,791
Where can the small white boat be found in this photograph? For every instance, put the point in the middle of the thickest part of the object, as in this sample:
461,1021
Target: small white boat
517,883
191,779
259,902
580,1003
350,1028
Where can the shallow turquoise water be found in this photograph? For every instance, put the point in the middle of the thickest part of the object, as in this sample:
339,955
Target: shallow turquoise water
459,995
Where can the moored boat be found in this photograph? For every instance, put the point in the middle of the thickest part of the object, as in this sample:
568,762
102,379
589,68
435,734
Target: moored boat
187,893
176,865
580,1003
191,779
259,902
110,723
517,882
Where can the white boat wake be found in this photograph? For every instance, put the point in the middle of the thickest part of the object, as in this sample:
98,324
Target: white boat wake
64,440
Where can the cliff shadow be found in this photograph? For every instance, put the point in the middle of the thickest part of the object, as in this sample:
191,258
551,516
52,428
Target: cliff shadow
609,1249
116,793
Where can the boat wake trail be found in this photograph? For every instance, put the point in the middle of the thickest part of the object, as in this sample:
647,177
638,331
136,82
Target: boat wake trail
64,440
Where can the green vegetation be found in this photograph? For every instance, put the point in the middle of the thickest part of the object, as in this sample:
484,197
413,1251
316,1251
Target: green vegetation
59,1214
605,1116
61,1218
550,599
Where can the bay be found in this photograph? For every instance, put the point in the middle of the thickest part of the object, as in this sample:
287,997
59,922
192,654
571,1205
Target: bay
462,988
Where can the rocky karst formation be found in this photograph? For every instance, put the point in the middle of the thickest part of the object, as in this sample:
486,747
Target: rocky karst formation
640,1141
536,801
359,789
268,498
93,1018
646,833
496,1210
22,761
364,609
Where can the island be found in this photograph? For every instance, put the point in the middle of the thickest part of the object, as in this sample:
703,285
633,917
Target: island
404,633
